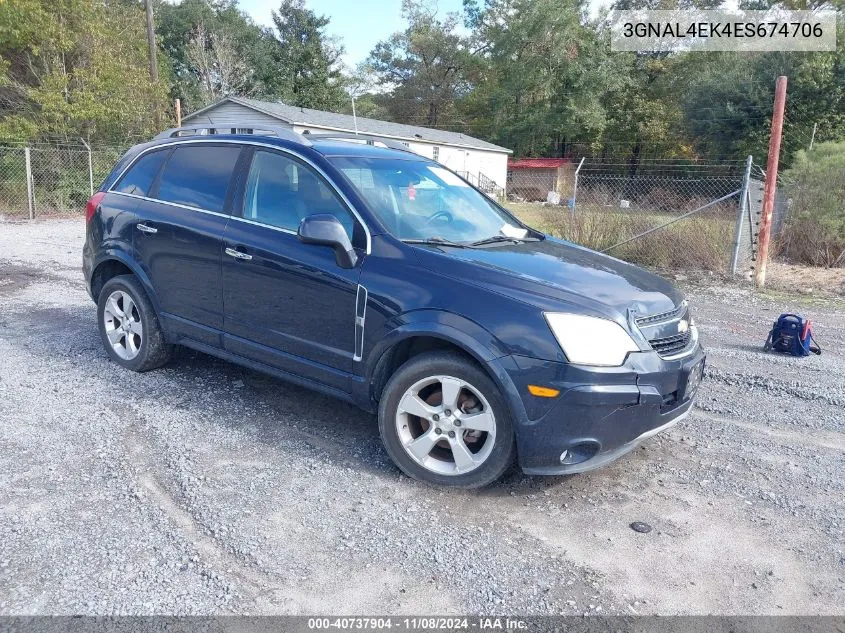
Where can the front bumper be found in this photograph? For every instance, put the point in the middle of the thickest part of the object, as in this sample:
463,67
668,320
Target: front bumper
601,413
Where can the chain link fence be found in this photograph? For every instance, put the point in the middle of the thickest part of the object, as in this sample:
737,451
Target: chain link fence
51,180
666,215
673,215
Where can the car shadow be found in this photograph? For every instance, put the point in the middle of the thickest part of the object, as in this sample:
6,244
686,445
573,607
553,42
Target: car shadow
269,408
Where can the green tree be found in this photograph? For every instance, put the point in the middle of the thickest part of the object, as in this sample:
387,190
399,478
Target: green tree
425,66
541,70
76,68
307,59
214,49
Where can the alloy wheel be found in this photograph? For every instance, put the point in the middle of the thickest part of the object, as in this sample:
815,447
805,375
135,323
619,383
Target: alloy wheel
123,325
446,425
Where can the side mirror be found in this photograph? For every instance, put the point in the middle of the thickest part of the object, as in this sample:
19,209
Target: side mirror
326,230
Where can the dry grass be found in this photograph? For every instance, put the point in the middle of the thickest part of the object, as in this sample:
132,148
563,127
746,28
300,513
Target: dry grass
701,242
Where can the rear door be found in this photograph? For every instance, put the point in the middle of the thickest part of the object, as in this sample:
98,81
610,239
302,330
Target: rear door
178,236
289,304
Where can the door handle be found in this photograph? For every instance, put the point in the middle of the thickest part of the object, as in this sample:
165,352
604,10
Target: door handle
238,254
147,229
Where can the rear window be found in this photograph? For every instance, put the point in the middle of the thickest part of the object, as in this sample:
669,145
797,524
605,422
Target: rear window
139,178
198,176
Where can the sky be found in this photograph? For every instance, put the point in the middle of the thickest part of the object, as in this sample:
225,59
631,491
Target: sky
359,24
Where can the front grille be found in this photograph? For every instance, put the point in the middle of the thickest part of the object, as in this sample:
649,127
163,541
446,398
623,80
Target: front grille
669,333
663,316
671,345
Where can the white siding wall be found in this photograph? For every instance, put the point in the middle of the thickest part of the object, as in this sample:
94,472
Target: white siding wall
494,165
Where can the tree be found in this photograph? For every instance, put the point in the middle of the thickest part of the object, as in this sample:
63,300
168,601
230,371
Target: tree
424,66
76,68
307,59
361,86
220,70
194,32
542,70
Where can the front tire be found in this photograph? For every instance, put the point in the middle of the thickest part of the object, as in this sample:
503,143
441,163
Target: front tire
444,421
129,327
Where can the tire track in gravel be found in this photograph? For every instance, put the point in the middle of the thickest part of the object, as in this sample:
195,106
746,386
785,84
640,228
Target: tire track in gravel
820,439
251,581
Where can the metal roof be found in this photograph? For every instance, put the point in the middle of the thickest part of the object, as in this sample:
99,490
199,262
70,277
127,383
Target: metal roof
536,163
346,122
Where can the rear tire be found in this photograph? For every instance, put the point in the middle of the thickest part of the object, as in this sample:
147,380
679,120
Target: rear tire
129,327
444,421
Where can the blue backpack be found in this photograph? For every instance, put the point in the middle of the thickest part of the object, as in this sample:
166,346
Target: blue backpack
792,334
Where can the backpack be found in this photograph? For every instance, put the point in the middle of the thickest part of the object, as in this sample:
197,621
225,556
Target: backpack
792,334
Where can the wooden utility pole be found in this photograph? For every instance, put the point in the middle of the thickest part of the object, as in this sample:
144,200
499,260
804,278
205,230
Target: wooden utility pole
151,41
813,137
770,186
178,108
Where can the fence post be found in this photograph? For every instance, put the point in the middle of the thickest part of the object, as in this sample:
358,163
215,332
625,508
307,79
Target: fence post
30,184
575,189
90,168
740,214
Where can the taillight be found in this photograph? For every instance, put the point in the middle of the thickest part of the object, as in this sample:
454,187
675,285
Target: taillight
93,203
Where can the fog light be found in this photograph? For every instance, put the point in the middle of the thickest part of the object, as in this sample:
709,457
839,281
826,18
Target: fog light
579,453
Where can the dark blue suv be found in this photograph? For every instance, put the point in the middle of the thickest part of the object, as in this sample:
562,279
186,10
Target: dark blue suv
357,268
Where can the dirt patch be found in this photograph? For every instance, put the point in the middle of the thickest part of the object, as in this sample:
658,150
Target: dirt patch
15,277
806,280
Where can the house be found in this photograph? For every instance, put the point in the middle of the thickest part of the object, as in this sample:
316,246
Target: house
480,162
533,178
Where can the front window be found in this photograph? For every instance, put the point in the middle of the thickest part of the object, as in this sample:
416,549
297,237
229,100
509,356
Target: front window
422,201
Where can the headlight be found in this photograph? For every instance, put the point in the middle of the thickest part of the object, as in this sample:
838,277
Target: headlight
589,340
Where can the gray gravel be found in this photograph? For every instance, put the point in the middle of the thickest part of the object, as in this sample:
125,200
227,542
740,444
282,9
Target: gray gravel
207,488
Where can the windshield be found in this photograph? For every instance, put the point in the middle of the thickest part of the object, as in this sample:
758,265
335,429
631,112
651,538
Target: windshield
421,201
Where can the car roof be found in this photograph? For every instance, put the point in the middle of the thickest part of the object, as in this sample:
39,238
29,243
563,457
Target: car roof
328,147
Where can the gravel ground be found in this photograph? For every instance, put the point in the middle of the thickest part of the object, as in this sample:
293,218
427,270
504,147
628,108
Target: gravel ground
206,488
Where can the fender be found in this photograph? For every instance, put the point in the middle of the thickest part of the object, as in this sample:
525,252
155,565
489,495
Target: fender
116,254
469,337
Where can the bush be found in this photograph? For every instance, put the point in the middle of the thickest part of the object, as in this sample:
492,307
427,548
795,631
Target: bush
814,231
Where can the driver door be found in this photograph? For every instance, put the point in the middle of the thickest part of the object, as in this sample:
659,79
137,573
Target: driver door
285,303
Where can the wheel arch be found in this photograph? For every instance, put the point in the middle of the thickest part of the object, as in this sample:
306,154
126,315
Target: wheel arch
412,339
112,264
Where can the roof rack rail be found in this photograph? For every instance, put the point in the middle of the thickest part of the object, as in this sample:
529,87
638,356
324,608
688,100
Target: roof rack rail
257,129
351,136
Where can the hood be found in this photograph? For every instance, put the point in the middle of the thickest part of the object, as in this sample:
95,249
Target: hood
559,271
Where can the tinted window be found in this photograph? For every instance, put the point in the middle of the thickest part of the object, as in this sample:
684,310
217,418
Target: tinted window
139,178
280,191
198,176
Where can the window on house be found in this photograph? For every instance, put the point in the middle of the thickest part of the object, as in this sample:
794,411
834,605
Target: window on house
435,153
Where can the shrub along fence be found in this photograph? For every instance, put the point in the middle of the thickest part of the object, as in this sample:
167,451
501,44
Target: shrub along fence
51,180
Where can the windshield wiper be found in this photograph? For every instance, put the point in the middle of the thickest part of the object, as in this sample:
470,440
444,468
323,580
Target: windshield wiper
438,241
494,239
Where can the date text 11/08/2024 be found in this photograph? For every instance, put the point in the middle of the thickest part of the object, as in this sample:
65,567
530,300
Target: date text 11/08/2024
419,624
